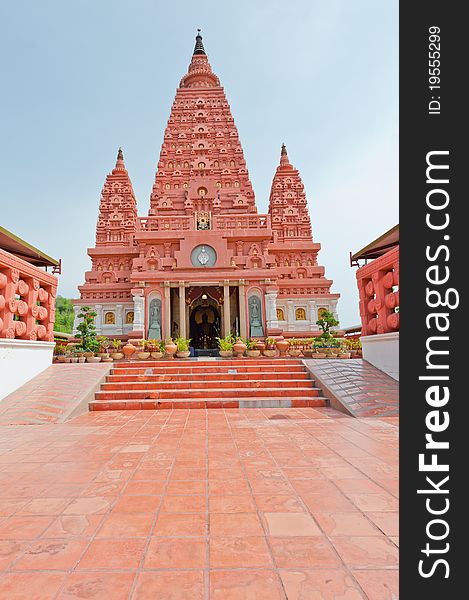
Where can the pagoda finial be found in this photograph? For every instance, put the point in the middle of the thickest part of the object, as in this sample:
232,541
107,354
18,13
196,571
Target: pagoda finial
284,156
199,46
120,160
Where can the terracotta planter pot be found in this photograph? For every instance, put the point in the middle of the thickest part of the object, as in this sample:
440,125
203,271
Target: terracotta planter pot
282,347
74,359
319,355
157,355
81,359
270,353
308,353
239,348
259,346
143,355
61,358
253,353
344,355
335,351
102,354
170,349
68,359
88,354
129,350
107,358
117,355
93,359
183,354
226,353
294,352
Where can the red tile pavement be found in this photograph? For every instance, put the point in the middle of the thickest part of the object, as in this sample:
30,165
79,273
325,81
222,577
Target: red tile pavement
356,387
211,504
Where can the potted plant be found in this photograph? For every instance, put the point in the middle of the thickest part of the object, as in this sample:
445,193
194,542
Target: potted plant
239,347
170,348
116,354
225,346
293,349
182,344
344,349
103,346
74,354
251,349
142,352
80,355
93,347
282,346
319,348
270,350
60,353
308,348
154,346
87,331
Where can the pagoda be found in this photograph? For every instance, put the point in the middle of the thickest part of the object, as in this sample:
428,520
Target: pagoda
204,263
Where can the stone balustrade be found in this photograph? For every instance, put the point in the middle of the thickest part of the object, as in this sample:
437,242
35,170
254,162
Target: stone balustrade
241,222
185,223
378,285
27,300
173,223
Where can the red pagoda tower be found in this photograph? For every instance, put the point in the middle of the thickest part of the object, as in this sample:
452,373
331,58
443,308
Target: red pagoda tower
204,263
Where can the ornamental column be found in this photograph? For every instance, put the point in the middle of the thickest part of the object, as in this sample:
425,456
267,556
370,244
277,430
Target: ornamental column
226,309
312,314
182,309
139,310
167,310
271,310
119,319
98,308
290,316
243,328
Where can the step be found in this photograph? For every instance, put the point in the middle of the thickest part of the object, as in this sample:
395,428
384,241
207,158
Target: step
204,363
239,402
205,377
189,370
171,394
234,382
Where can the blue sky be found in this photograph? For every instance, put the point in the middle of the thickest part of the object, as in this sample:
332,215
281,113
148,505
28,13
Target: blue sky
80,78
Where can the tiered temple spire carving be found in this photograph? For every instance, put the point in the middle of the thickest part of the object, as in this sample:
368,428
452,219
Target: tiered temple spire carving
118,208
201,166
288,206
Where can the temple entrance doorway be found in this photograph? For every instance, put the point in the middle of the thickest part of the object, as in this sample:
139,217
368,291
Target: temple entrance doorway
205,324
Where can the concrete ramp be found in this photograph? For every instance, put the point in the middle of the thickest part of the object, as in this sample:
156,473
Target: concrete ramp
58,393
356,387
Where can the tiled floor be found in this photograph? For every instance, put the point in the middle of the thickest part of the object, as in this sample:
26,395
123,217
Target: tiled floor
200,504
356,386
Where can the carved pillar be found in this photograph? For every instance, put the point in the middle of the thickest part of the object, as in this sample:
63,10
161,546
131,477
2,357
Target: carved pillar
167,310
182,309
333,305
243,327
139,310
312,314
271,310
119,318
98,320
290,316
226,308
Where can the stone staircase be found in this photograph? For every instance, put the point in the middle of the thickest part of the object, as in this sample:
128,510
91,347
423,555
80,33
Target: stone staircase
237,383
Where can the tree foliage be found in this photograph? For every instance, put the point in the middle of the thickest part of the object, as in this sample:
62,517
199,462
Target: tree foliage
63,315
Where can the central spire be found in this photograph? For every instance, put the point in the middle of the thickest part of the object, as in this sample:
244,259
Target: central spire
199,45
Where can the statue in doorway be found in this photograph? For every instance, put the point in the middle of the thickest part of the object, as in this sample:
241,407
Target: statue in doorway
255,317
154,328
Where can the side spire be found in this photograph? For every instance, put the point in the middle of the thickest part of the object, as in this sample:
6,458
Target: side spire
199,45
